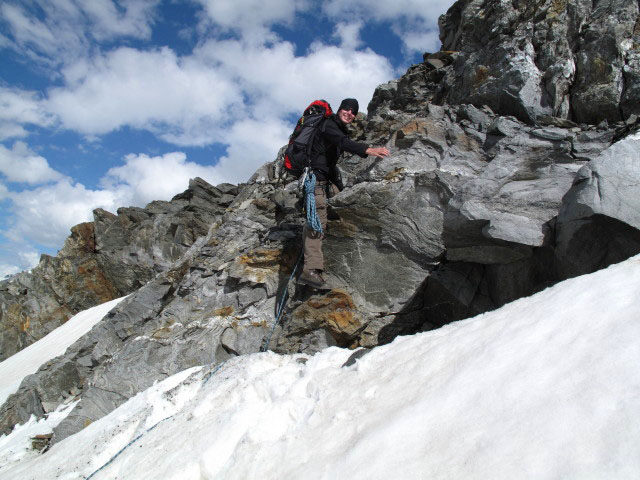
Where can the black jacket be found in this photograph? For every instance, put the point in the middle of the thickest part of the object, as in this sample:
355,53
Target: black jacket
331,141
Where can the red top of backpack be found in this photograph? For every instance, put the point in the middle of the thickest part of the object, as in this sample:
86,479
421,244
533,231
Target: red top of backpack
319,106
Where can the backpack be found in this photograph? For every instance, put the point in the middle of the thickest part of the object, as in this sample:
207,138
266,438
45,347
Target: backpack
297,156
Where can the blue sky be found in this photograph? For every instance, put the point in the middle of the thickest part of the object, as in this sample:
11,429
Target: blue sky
110,103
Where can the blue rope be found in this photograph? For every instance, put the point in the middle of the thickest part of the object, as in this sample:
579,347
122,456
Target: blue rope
281,305
310,203
128,445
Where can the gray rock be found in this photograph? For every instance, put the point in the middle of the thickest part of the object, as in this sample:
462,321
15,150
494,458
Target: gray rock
110,257
242,340
599,220
572,60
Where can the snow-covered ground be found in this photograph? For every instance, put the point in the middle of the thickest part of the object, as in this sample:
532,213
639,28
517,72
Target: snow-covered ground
547,387
28,360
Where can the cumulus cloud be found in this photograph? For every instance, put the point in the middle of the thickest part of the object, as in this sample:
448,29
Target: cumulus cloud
52,32
22,260
349,34
252,18
252,143
195,100
6,270
19,108
273,74
45,214
152,90
20,164
143,179
421,41
414,21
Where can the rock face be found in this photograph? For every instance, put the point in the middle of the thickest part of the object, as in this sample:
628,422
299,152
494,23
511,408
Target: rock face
574,59
105,259
487,197
599,222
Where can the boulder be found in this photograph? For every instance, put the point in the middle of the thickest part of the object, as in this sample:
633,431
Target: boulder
599,221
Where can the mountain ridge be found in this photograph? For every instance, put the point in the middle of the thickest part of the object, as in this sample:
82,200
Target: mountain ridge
481,202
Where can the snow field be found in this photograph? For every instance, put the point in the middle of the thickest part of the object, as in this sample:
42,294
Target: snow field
546,387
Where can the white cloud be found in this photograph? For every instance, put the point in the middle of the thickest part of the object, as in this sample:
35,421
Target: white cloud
131,18
196,99
157,91
276,78
20,164
414,21
421,41
143,179
424,9
10,130
349,35
252,18
252,143
29,258
44,215
17,258
20,107
52,32
27,30
6,270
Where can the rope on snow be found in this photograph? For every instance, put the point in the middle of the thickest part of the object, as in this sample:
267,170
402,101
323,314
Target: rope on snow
204,381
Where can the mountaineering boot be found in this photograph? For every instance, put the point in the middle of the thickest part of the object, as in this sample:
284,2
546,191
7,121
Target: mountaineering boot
311,278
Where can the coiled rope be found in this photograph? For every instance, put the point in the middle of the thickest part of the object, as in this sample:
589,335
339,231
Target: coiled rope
310,203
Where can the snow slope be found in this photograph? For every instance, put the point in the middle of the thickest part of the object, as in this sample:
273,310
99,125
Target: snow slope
547,387
28,360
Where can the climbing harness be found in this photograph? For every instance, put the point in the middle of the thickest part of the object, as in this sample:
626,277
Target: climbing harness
281,305
310,203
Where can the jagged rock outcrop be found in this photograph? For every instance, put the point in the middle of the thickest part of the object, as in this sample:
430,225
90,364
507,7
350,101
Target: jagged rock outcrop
105,259
487,197
575,60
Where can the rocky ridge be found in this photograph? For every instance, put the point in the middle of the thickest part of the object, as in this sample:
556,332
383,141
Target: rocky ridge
488,196
105,259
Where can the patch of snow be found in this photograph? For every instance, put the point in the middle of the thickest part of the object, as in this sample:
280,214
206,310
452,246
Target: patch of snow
546,387
16,447
28,360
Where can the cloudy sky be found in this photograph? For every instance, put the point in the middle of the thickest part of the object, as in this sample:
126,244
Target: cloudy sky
109,103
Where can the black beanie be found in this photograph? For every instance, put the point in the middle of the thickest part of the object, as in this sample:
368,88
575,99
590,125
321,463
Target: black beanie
349,104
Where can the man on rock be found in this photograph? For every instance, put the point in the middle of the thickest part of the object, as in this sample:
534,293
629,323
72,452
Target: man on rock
332,140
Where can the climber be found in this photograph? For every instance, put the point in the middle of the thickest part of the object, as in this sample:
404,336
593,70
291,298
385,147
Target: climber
327,148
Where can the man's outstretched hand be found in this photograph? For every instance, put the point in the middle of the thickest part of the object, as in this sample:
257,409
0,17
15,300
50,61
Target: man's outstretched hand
379,152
